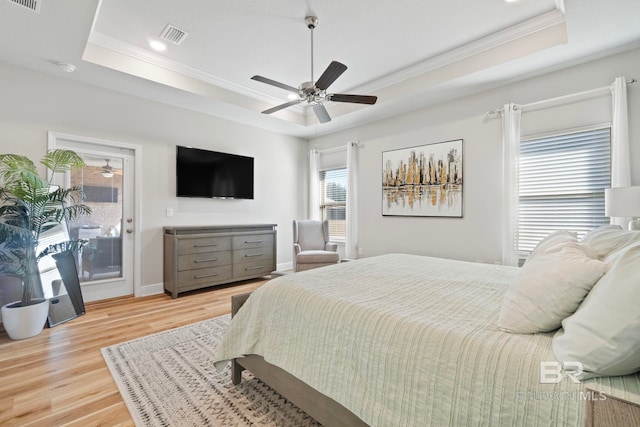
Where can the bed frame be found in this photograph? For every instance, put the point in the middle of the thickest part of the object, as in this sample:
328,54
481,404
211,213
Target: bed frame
322,408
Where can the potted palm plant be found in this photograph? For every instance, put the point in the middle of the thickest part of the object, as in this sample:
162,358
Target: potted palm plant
29,206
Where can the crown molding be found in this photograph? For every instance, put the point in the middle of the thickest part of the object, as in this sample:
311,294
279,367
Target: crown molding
526,28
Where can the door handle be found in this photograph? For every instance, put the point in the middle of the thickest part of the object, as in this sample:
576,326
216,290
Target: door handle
129,231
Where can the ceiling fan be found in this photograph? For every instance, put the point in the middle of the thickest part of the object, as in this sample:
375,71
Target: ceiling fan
108,171
315,92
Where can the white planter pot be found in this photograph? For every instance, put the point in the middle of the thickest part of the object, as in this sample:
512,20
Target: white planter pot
24,322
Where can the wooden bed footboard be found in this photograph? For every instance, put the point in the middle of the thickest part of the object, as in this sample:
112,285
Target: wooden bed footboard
237,301
322,408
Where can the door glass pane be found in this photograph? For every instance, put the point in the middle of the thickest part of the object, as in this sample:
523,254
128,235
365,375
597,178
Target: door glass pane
101,183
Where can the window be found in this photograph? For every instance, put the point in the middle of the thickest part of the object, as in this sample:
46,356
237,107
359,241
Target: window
333,201
562,182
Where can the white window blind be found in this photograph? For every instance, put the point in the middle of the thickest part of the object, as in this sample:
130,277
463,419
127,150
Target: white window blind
562,182
333,201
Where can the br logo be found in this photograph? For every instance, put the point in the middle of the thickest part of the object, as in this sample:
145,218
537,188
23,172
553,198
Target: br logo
553,372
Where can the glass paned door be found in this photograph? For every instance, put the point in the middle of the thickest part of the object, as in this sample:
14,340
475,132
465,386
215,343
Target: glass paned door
106,263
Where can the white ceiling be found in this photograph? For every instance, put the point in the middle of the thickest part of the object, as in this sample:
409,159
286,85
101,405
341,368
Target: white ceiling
409,53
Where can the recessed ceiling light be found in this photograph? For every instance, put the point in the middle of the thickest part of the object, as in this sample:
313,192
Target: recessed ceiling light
156,45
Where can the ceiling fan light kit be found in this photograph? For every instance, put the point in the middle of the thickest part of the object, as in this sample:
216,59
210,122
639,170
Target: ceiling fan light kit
107,170
315,92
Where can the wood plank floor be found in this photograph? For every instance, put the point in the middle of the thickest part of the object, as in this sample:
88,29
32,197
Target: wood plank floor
59,378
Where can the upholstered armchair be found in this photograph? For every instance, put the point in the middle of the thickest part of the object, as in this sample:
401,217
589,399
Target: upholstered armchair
102,255
311,245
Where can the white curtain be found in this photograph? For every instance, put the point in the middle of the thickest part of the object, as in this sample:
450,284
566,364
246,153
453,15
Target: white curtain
511,158
351,246
620,161
314,185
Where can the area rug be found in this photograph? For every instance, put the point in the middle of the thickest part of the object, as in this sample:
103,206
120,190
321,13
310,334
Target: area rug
168,379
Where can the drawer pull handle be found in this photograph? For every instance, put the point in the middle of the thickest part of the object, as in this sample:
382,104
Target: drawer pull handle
204,245
202,276
205,260
252,255
253,268
254,241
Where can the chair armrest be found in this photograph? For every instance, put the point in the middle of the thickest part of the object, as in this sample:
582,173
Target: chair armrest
297,249
331,247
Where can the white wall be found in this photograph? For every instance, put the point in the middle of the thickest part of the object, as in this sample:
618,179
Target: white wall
476,236
32,104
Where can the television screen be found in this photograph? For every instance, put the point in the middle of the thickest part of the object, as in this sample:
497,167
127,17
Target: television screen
204,173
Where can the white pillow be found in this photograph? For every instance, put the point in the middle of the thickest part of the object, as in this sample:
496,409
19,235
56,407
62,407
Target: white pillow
610,238
552,241
549,288
604,333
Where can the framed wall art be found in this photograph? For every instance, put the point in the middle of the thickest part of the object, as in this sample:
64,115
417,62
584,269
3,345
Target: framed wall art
423,181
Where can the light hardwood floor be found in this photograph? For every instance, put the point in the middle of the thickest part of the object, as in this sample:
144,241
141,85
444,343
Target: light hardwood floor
59,378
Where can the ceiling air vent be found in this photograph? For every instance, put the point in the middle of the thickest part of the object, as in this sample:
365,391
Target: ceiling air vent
34,5
173,34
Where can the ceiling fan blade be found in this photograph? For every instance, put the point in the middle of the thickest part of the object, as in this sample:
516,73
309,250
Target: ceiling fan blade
321,113
282,106
356,99
333,71
275,83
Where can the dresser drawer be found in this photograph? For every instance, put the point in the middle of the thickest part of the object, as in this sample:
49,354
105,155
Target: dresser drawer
252,255
253,268
190,278
203,244
203,260
253,241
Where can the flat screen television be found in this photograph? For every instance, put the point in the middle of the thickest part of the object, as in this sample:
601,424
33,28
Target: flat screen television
211,174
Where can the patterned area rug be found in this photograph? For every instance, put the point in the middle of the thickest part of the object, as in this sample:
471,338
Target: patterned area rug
168,379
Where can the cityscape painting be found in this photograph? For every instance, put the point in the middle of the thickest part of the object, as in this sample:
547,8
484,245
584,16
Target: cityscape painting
423,181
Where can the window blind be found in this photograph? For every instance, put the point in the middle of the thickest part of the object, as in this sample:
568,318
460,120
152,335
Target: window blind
333,201
561,185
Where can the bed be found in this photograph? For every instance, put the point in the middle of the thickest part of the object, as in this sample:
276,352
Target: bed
403,340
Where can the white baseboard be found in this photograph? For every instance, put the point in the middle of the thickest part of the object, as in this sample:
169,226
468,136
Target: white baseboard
285,266
153,289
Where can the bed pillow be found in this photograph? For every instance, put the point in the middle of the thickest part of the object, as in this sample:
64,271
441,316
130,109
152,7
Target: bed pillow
610,238
604,333
552,242
549,288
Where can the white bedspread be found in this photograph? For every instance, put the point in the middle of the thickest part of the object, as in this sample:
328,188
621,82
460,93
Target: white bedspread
405,340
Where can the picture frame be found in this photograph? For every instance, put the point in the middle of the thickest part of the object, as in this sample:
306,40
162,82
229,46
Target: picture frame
424,181
59,279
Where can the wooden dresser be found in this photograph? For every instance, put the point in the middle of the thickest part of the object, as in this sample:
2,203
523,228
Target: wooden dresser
198,257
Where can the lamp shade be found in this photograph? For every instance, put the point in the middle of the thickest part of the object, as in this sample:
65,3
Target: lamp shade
622,201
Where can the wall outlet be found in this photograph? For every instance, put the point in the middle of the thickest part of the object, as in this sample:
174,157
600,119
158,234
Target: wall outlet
169,212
